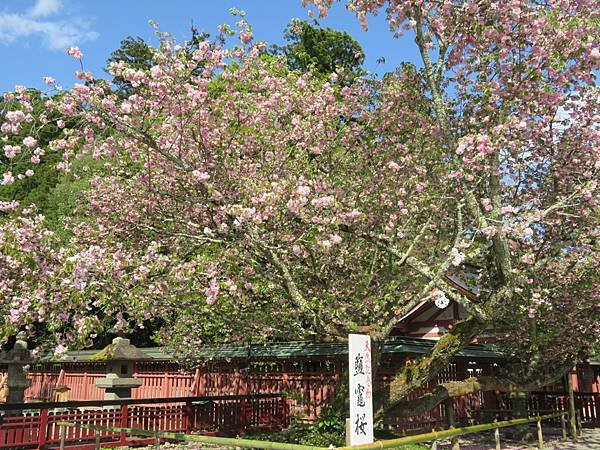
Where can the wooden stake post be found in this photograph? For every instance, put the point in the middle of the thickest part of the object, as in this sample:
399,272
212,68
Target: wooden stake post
449,405
572,418
497,438
63,436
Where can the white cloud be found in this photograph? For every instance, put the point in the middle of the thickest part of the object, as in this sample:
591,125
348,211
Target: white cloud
55,34
43,8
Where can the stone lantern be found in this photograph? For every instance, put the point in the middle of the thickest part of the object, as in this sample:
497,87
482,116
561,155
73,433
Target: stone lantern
17,380
120,357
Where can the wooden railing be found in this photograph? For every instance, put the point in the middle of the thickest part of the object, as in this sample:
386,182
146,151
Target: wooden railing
36,426
587,404
311,386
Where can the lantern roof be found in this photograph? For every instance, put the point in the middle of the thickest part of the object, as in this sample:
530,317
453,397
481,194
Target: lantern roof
121,349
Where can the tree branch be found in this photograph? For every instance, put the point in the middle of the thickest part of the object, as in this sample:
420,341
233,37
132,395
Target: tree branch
412,376
453,389
290,285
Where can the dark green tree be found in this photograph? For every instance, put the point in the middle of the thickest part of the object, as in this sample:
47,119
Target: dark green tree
321,50
51,192
33,190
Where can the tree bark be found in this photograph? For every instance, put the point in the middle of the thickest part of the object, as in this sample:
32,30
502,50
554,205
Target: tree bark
449,406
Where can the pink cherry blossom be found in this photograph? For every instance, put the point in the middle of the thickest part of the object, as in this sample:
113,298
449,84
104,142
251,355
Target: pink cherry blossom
8,178
29,142
245,36
75,52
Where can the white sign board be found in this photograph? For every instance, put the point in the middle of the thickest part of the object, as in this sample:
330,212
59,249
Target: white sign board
361,390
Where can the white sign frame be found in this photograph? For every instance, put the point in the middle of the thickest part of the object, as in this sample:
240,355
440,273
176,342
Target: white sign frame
361,389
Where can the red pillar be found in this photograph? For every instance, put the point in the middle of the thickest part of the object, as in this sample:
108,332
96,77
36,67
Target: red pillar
43,432
189,417
195,383
575,379
165,385
124,419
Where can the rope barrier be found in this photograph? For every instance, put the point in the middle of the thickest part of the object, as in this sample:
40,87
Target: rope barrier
390,443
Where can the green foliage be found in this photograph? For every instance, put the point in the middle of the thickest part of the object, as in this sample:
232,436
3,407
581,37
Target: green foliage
329,429
64,202
321,50
37,190
34,190
330,422
52,193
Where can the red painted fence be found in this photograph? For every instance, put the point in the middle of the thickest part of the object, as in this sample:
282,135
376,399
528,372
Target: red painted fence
308,391
308,387
216,414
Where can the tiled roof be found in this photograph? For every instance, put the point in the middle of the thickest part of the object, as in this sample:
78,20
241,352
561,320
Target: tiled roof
298,349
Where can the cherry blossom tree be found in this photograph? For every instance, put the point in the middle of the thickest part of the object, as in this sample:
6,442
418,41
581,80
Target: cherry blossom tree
516,111
246,201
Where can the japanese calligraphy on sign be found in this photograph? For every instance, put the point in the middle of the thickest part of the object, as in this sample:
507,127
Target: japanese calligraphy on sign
361,391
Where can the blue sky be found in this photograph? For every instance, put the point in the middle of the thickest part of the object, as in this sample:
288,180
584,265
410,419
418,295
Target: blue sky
35,33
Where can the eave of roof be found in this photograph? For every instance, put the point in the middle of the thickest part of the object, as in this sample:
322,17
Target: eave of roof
297,349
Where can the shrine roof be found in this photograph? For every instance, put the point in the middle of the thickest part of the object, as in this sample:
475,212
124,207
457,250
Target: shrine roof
297,349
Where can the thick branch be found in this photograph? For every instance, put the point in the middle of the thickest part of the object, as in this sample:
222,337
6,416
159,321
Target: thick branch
453,389
436,278
413,376
430,75
198,238
425,293
500,244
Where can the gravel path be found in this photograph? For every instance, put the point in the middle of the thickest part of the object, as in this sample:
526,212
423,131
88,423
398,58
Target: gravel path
589,440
